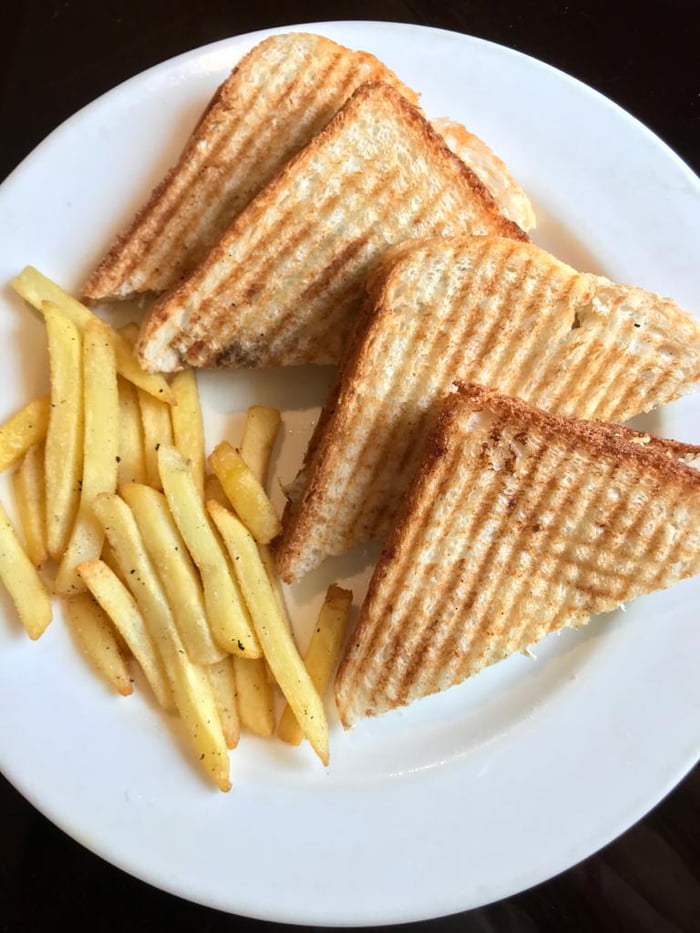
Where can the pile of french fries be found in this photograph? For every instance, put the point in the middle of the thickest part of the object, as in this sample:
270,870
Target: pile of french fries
160,562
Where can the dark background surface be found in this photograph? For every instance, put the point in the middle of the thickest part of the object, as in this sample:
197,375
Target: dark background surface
56,56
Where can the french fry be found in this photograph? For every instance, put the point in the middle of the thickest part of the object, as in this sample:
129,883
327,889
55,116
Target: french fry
23,583
245,493
192,689
177,573
64,437
100,446
276,639
226,611
36,289
259,435
29,483
223,683
188,428
157,431
322,656
94,631
118,603
255,699
132,459
23,430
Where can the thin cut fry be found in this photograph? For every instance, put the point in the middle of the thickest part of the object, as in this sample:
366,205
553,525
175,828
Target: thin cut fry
323,654
223,683
245,493
101,417
36,289
157,431
132,459
194,697
94,631
24,429
119,604
214,490
22,582
188,428
276,639
30,495
255,699
64,438
177,573
259,435
228,617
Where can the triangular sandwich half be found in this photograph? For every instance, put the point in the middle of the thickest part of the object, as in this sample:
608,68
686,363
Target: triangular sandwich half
283,92
283,285
518,523
487,310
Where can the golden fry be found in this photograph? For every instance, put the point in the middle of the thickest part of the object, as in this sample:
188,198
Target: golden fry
192,689
245,493
23,583
100,446
259,435
188,427
114,598
323,654
177,573
64,438
29,483
36,289
228,617
130,332
94,631
276,639
255,699
132,458
24,429
223,683
157,431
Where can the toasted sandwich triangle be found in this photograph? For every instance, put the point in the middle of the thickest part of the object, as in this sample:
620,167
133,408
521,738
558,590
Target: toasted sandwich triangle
518,524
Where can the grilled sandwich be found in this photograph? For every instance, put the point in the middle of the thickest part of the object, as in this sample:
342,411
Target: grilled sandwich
482,309
283,284
281,94
518,523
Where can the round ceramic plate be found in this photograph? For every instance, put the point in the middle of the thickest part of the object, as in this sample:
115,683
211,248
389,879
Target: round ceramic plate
468,796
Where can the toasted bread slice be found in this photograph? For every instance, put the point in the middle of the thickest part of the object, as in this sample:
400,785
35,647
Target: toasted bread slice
283,285
488,310
491,170
518,523
280,95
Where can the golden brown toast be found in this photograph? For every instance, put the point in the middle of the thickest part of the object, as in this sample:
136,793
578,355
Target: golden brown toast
283,285
517,524
275,100
489,310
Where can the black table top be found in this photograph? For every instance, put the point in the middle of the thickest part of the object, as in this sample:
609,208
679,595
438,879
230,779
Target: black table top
59,55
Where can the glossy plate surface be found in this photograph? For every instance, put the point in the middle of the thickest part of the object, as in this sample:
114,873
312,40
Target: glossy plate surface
466,797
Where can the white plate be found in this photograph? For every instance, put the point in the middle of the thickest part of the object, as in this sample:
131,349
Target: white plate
469,796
